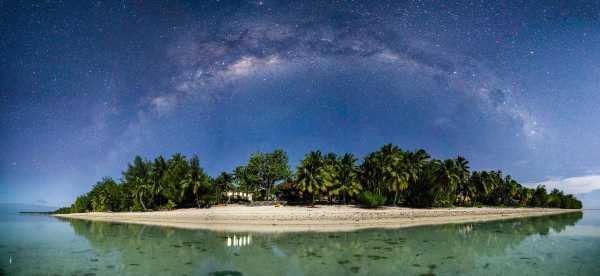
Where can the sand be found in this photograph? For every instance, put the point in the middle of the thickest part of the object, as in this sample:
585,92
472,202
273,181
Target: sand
322,218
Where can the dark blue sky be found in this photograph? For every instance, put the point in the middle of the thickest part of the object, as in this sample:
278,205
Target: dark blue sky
85,86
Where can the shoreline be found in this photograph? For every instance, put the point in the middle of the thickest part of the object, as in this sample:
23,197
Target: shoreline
321,218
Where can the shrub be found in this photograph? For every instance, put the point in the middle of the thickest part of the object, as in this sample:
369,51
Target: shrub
63,210
170,205
372,200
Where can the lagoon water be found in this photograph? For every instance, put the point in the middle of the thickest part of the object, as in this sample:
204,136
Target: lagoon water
566,244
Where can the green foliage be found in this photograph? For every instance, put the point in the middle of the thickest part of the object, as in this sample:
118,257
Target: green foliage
223,183
540,197
389,175
63,210
82,204
311,176
371,199
343,173
106,195
177,169
263,170
196,183
170,205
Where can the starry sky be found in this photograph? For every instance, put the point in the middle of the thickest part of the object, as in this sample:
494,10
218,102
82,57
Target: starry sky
86,85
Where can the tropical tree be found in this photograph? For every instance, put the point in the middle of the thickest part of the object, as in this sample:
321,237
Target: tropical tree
143,190
525,196
372,173
194,182
157,180
106,196
465,191
344,178
222,184
425,190
267,168
386,176
416,161
81,205
246,181
177,169
448,179
311,177
540,196
555,198
138,168
396,173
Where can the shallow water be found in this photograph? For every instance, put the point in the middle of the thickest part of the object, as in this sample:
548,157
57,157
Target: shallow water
566,244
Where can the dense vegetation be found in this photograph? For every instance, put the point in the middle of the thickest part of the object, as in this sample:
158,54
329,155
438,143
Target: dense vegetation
389,176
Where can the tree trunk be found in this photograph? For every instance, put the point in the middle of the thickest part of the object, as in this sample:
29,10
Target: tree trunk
270,188
197,202
395,197
142,202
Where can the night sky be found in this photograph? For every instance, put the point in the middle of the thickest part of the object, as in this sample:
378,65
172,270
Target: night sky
86,85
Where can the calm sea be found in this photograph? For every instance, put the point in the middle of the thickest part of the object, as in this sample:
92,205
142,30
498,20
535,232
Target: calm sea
555,245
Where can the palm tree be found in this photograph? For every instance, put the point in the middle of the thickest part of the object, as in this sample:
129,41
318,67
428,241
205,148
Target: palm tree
159,167
345,178
424,190
525,195
376,168
311,175
396,172
222,184
388,175
397,179
370,172
481,182
449,179
142,190
242,177
415,162
194,180
331,165
465,190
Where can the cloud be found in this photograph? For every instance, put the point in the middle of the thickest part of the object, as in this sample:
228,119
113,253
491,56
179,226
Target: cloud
41,201
573,185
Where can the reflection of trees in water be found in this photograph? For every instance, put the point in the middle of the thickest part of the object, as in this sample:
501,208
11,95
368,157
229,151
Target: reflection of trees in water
416,248
376,251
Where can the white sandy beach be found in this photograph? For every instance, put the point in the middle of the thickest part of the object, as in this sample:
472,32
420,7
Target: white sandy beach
238,218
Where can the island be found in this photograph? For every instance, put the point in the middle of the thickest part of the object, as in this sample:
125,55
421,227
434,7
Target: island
390,188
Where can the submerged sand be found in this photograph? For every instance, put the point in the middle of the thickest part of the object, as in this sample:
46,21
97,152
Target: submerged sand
239,218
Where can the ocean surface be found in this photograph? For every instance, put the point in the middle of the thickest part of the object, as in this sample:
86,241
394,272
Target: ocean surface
566,244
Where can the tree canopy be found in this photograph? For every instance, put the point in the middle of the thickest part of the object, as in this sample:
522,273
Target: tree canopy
389,176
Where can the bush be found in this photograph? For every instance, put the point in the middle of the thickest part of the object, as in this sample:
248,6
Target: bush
170,205
63,210
372,200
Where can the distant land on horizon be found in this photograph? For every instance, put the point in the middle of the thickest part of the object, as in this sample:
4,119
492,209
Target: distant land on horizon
23,207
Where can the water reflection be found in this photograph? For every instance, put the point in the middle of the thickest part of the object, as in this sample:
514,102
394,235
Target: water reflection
416,250
237,241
